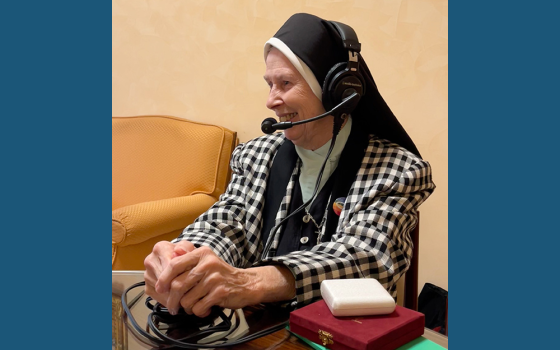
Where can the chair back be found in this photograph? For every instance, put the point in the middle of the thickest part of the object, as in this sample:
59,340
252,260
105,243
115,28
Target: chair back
407,286
159,157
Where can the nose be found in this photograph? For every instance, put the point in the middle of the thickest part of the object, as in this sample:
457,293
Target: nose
274,99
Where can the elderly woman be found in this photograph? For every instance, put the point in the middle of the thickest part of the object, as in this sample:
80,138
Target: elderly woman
351,214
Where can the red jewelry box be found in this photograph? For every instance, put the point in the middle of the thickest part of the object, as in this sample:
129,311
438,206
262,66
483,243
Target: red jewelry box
381,332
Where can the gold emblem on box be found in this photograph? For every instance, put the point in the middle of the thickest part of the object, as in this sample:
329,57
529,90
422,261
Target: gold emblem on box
325,337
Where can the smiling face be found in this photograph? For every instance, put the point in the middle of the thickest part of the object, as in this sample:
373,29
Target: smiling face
292,99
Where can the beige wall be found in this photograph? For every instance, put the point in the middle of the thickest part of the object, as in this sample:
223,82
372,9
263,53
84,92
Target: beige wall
203,60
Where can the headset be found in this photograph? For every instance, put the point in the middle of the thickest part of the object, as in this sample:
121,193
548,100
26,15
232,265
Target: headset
344,78
342,88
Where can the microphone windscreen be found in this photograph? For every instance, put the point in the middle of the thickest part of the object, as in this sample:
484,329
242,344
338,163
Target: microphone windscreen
266,125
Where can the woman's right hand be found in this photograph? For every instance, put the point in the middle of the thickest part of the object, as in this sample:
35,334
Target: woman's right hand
157,261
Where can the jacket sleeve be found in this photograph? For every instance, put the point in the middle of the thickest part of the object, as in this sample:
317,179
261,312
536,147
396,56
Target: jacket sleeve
223,226
373,234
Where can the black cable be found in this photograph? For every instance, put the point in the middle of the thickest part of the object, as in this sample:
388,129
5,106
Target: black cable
165,317
337,125
163,341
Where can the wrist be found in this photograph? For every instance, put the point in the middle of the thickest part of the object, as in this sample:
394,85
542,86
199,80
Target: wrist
274,283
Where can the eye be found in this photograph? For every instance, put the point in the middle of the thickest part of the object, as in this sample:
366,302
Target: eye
286,82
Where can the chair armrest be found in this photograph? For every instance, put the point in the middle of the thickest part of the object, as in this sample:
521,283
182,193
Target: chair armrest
136,223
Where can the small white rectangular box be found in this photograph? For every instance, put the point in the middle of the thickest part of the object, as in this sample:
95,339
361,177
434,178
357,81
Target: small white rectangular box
357,297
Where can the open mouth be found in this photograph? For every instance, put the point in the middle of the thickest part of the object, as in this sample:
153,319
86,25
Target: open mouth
288,117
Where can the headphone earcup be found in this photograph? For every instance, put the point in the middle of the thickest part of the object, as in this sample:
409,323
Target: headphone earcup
341,83
328,102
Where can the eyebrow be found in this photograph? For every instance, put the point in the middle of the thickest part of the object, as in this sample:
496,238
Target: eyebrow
280,77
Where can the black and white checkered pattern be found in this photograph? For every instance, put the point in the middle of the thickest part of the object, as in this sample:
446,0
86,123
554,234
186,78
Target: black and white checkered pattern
372,238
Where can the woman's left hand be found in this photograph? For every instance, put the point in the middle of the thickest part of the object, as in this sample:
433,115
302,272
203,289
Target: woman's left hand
200,279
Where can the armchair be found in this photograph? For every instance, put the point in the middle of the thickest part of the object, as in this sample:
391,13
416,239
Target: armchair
166,172
407,286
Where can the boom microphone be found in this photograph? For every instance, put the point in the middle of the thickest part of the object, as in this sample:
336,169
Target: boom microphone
269,125
266,125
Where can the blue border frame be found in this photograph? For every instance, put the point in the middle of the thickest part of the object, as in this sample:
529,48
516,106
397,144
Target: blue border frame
503,119
56,166
503,199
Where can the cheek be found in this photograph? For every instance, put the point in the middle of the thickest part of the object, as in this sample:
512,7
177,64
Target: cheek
298,99
311,105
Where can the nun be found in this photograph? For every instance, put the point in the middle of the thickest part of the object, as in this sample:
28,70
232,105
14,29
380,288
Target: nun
333,194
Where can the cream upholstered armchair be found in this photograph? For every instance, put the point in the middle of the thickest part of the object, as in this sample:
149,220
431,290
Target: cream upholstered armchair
166,172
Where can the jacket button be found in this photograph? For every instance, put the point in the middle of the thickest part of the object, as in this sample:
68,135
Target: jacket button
304,240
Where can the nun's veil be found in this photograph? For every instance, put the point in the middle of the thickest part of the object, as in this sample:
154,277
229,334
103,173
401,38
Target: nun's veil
317,43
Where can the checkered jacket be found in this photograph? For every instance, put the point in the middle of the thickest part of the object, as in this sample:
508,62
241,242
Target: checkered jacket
372,237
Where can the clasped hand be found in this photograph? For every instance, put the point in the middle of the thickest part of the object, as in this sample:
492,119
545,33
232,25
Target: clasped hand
180,275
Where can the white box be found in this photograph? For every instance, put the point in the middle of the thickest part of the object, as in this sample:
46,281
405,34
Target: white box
357,297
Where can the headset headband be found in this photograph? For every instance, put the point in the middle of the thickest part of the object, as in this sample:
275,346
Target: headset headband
350,42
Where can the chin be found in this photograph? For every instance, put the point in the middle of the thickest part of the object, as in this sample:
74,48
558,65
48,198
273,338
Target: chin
293,135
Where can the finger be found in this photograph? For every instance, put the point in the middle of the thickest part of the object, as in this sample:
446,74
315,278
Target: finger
193,296
153,268
164,252
182,248
203,306
186,246
213,292
178,251
150,279
176,267
184,284
150,291
156,261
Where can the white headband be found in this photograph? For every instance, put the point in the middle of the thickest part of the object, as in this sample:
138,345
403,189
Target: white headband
302,68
